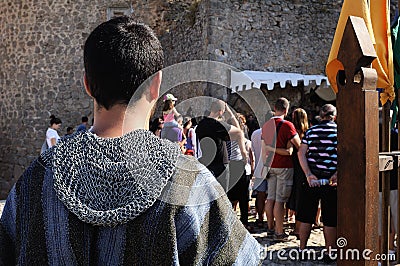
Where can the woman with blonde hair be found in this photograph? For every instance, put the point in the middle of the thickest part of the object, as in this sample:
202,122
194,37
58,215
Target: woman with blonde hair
300,122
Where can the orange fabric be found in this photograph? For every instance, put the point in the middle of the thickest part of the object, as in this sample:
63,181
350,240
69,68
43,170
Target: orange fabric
358,8
383,47
376,19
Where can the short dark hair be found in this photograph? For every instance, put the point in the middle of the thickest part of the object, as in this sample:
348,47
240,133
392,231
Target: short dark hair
282,104
85,119
156,124
54,120
119,55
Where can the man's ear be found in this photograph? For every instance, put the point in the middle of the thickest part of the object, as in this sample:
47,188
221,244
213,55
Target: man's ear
85,83
155,86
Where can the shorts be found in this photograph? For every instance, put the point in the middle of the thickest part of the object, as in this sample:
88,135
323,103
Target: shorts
308,205
280,183
260,185
393,210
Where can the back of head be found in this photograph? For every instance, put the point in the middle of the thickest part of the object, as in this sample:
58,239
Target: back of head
217,105
268,115
54,120
119,55
328,112
186,121
155,124
85,119
300,121
282,104
179,119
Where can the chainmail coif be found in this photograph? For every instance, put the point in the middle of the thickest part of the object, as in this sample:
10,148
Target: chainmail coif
111,181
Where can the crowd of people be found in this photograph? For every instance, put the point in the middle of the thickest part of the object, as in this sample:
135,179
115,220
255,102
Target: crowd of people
113,195
100,196
287,162
52,133
279,161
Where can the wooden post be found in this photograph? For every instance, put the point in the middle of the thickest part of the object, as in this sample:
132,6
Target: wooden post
358,145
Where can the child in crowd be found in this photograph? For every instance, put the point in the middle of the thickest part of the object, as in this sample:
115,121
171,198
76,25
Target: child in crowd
173,129
169,111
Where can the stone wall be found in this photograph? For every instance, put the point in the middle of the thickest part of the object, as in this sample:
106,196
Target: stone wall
41,63
290,36
186,41
41,71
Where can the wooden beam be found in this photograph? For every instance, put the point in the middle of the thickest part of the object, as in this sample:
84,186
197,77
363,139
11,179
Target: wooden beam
358,143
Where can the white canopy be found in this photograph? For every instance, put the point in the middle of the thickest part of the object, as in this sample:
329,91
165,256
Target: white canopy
247,80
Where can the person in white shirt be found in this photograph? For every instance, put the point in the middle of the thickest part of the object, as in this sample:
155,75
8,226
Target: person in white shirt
51,134
260,183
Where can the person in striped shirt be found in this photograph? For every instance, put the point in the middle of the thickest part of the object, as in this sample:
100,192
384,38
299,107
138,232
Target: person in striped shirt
318,159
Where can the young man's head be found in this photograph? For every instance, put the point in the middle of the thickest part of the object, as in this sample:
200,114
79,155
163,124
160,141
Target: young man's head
281,106
119,55
85,119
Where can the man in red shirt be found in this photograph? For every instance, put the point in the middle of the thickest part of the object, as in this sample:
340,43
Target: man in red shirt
278,137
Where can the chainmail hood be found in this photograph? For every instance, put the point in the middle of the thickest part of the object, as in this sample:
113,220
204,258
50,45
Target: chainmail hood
111,181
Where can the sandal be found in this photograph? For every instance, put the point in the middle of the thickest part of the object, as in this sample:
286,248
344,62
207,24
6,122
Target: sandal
293,233
281,237
270,233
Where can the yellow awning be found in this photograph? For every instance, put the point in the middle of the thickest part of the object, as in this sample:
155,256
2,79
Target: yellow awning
376,18
383,47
